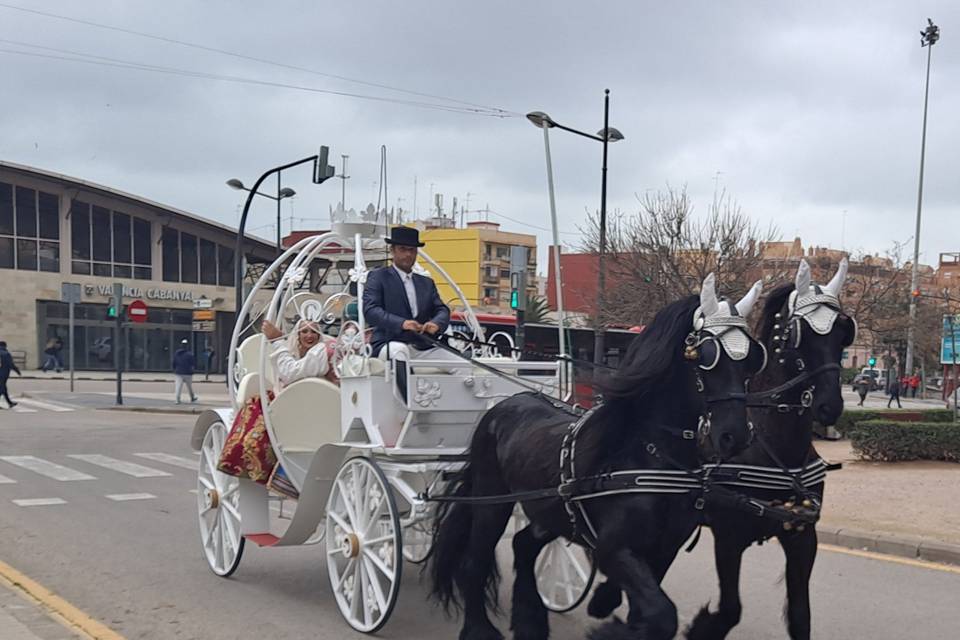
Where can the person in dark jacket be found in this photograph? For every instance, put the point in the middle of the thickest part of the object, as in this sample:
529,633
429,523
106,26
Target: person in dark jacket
183,365
894,391
7,366
402,305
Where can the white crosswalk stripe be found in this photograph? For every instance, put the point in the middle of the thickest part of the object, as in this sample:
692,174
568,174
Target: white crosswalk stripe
122,497
38,502
40,404
46,468
6,480
22,409
167,458
128,468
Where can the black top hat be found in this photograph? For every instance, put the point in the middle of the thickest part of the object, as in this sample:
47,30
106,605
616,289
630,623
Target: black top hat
404,236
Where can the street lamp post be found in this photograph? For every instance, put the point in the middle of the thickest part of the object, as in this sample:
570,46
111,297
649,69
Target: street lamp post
282,193
321,172
928,38
606,135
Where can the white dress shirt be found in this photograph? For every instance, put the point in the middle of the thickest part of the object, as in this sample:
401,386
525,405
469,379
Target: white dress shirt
407,279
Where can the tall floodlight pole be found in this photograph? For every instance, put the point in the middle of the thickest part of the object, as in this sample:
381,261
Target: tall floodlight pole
928,38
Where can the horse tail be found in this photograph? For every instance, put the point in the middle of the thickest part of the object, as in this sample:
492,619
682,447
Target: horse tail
451,529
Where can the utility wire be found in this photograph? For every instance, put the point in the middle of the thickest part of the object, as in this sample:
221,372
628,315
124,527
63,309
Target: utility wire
124,64
527,224
193,45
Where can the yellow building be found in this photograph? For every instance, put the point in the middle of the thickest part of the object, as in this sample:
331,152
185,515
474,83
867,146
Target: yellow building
478,260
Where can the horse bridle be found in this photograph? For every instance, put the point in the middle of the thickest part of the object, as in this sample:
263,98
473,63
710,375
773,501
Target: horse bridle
692,352
787,337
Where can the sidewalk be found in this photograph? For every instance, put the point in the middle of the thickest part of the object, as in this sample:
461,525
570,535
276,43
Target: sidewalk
25,619
128,376
901,508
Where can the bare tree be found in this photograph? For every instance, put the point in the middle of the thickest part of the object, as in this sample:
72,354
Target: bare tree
664,252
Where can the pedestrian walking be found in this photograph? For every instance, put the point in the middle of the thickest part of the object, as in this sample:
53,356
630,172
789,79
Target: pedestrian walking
894,391
863,386
914,384
183,365
53,359
7,366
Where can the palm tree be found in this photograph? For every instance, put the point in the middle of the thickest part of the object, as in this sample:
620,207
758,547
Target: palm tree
538,311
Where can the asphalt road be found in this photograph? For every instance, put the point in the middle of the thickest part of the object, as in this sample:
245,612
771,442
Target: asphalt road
136,564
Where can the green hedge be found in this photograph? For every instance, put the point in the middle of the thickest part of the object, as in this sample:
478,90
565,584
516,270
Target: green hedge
891,440
848,419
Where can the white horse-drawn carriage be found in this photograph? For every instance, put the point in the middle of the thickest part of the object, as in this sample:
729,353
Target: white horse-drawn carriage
361,455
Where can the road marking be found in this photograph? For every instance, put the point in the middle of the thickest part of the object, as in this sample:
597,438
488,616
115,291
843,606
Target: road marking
177,461
911,562
120,497
129,468
48,469
49,406
38,502
6,480
19,409
62,611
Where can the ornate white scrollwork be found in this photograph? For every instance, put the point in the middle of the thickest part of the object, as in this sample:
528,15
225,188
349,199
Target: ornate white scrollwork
359,274
351,351
294,277
428,392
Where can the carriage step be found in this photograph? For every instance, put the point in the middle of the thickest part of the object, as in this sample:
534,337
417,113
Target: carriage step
262,539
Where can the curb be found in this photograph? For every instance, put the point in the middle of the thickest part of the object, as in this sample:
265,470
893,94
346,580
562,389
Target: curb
125,379
913,547
192,411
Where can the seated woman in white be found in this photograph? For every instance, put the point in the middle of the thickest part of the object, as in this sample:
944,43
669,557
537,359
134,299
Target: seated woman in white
304,354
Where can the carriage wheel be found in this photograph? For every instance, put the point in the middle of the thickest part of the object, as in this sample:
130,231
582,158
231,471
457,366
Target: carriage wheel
364,545
218,497
564,573
417,540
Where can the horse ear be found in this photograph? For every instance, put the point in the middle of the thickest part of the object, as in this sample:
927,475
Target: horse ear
803,279
836,284
709,304
746,303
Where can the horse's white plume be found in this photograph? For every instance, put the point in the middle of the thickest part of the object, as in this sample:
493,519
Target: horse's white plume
709,304
803,279
746,303
835,288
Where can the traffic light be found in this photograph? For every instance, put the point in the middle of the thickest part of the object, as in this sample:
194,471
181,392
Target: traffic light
321,170
514,299
518,278
111,312
872,361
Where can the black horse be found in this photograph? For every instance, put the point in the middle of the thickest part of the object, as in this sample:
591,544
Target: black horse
678,375
806,331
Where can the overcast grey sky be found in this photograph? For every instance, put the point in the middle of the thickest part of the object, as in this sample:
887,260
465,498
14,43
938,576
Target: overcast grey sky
806,110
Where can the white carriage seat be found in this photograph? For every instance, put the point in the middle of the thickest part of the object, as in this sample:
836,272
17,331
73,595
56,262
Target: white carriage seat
248,358
249,387
306,415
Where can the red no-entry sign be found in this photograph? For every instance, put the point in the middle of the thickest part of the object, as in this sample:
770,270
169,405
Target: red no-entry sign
137,311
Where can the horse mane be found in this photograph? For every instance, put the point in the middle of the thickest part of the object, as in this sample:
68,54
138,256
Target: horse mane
771,307
652,355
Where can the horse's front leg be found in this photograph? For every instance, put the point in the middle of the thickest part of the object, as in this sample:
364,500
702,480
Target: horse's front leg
653,616
728,555
800,548
528,618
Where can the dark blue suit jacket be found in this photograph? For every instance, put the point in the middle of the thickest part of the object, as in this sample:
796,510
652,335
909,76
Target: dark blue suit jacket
385,307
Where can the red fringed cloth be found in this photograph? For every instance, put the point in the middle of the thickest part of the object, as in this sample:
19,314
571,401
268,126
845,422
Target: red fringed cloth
247,451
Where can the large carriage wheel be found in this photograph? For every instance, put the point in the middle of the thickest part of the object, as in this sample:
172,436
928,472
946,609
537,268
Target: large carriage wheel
218,496
565,573
364,545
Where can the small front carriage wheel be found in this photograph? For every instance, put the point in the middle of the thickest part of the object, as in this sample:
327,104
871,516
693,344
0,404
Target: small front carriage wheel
364,545
564,573
218,498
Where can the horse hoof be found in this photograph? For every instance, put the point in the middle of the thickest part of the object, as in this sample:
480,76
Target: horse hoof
606,598
613,630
